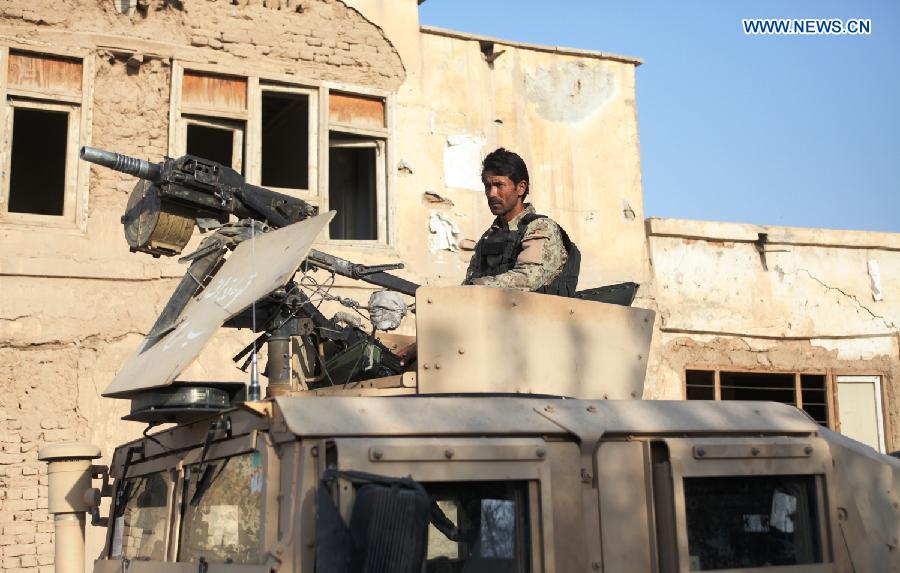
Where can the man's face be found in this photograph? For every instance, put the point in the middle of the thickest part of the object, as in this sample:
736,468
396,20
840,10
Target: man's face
504,197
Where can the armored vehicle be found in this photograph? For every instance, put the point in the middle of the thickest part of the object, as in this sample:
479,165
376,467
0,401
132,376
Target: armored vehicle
515,441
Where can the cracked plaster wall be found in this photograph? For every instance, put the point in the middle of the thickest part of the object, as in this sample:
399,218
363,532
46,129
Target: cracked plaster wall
581,148
813,309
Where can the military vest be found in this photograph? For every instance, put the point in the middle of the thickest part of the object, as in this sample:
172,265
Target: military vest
499,248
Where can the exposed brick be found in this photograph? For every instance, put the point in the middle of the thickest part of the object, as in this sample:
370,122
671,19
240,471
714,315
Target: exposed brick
19,550
44,549
19,505
19,529
61,435
9,459
44,559
10,562
28,561
25,539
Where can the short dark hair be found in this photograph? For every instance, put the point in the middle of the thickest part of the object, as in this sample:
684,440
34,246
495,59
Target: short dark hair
507,164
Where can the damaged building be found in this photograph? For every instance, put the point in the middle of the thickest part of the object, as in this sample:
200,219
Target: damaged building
353,106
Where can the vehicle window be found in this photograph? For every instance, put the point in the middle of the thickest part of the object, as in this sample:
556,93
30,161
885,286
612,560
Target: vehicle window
751,521
486,528
142,517
222,502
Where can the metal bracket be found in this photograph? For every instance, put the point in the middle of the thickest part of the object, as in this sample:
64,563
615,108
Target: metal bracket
588,443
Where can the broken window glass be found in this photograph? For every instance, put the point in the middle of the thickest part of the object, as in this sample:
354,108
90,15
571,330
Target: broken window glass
37,178
222,510
142,517
491,528
751,521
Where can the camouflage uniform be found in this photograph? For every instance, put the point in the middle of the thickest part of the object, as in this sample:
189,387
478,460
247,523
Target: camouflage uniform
541,260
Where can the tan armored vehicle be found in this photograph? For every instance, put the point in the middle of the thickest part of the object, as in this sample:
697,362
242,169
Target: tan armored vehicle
516,442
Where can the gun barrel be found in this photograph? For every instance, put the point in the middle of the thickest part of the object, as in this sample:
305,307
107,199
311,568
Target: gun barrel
123,163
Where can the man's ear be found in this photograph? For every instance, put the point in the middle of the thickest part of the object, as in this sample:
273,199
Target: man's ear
521,188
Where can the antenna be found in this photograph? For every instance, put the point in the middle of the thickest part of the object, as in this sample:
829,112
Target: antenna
253,393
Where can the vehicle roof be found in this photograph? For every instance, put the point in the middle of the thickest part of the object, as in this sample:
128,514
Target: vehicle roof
482,415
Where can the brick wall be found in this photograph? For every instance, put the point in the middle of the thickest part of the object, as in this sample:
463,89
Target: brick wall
322,39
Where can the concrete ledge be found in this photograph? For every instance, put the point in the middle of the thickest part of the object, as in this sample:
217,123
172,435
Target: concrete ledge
748,233
536,47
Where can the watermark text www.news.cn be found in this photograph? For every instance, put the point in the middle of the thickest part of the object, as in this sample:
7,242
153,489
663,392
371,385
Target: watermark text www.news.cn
807,27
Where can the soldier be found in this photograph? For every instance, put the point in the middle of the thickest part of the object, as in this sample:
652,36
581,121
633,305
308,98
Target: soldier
521,250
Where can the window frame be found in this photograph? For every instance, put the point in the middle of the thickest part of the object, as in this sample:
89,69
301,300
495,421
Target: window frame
238,143
78,108
473,460
830,388
685,464
259,85
882,401
320,127
385,201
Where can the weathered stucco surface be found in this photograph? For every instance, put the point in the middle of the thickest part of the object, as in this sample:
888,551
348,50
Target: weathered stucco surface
583,158
814,309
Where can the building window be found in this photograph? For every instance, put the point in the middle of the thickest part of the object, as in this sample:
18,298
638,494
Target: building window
807,391
41,180
357,167
862,414
212,119
287,139
355,180
272,132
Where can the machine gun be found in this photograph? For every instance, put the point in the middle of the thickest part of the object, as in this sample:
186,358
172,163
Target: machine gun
174,195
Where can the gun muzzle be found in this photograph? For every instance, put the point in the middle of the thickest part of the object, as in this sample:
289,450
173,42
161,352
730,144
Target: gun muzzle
122,163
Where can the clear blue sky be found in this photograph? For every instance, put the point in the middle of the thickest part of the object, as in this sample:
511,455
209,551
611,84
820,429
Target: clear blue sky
775,130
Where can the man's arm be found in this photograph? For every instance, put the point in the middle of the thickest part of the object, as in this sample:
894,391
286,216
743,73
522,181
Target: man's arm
541,260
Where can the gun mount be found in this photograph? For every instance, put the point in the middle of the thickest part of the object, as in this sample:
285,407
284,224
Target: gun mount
310,353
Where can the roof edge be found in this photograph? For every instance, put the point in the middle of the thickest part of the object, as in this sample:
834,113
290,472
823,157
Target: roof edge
536,47
749,233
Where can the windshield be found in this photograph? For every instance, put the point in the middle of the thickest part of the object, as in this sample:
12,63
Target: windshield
141,518
222,501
